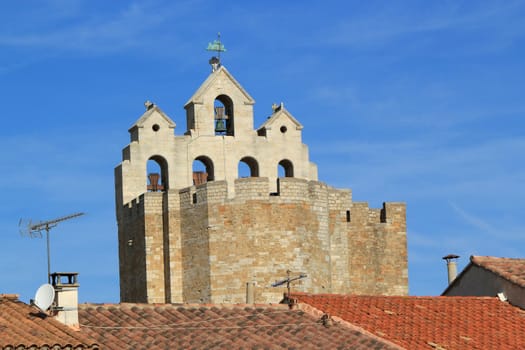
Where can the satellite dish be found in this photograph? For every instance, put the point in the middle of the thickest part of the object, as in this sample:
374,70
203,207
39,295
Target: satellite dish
44,296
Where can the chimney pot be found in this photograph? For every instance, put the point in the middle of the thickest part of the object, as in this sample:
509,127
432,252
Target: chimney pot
451,266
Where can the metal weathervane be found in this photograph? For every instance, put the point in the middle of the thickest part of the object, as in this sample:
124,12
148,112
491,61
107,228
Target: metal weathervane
35,230
218,47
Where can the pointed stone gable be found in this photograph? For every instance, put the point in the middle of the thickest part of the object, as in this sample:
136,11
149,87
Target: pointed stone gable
153,110
211,82
281,122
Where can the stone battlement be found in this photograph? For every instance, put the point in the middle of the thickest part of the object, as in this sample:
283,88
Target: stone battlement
291,190
220,243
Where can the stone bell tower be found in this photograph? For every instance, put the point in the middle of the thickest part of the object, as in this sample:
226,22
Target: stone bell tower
204,236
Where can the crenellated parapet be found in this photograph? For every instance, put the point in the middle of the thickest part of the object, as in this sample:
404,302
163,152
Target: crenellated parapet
256,234
259,188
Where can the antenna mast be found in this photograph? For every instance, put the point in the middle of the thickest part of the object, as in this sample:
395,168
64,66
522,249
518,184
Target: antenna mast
288,280
34,230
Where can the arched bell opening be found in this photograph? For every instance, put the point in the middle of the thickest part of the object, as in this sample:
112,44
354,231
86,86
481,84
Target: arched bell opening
248,167
157,174
223,115
202,170
285,168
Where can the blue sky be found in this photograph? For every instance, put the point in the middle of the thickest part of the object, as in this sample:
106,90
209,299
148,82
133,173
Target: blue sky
420,102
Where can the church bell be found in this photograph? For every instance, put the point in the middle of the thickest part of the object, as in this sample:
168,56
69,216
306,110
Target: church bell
220,126
220,116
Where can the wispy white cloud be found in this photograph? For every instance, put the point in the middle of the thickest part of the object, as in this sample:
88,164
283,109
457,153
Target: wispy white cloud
476,222
391,22
425,167
135,26
65,169
437,102
483,227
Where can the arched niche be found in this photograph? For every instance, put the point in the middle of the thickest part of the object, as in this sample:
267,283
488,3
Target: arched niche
223,113
202,170
157,174
285,168
248,167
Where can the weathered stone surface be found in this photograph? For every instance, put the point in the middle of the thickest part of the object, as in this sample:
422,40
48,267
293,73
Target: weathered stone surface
204,243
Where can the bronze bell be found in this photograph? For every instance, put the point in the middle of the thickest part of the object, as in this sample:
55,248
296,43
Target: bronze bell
220,126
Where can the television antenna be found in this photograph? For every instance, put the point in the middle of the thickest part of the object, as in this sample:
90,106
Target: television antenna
35,230
288,280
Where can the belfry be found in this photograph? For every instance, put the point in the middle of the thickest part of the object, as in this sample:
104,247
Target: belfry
211,235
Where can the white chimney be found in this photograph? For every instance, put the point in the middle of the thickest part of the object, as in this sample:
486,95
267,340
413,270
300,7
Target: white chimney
66,297
451,267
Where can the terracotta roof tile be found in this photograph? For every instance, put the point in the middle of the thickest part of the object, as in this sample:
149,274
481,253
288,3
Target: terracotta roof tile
24,327
509,268
430,322
187,326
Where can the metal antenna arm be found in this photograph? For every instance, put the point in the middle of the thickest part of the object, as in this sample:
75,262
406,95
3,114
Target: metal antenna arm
288,280
52,223
47,226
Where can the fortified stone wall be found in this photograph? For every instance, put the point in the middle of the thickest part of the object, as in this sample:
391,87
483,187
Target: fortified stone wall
378,252
132,259
204,243
216,244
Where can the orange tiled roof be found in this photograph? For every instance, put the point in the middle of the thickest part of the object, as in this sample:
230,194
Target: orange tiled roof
509,268
187,326
430,322
24,327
